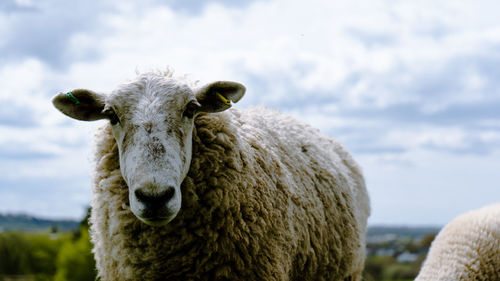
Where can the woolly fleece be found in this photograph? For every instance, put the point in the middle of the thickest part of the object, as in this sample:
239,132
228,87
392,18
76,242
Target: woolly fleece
468,248
266,198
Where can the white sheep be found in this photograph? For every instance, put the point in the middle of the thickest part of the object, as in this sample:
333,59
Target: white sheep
263,196
468,248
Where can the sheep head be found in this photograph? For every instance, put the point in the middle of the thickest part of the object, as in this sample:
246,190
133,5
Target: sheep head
152,120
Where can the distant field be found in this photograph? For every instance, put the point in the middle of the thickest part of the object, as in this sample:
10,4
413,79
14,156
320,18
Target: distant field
408,231
27,223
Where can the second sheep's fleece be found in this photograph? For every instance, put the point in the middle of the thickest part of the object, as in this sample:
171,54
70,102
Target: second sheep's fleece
467,249
185,189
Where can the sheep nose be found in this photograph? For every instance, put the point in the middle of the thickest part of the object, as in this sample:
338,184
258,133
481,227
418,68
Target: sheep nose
154,199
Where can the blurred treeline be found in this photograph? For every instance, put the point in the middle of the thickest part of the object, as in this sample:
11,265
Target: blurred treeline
393,253
397,258
52,255
390,269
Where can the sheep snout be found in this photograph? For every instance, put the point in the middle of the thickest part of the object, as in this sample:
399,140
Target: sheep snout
155,208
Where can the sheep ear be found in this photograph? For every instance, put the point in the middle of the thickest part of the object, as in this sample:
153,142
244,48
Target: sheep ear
80,104
217,96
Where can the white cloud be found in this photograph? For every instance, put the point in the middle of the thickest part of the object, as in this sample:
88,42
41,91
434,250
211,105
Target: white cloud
414,138
24,3
21,78
316,46
387,78
434,189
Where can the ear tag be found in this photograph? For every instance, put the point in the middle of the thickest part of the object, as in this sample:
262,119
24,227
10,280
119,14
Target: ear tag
70,96
223,99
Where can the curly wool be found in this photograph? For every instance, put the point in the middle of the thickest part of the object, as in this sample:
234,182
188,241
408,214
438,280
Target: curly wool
266,198
468,248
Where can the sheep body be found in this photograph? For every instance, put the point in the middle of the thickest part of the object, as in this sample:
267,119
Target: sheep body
468,248
265,198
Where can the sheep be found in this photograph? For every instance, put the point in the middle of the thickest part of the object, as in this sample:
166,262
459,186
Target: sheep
467,248
264,197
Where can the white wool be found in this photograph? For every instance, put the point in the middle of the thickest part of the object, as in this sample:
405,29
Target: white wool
466,249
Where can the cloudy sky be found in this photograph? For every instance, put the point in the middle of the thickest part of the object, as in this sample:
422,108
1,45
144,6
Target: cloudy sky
411,88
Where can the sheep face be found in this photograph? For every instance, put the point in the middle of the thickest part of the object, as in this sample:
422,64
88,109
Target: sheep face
152,124
152,121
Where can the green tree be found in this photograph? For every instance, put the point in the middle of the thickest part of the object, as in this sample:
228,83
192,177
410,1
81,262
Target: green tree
375,266
14,258
75,261
30,254
427,240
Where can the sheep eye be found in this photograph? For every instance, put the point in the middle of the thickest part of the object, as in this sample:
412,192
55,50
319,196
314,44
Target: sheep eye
191,109
111,115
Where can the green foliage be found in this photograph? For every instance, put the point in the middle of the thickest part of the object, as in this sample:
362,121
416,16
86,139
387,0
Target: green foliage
56,254
399,271
75,261
51,255
427,240
389,269
375,267
396,253
32,253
